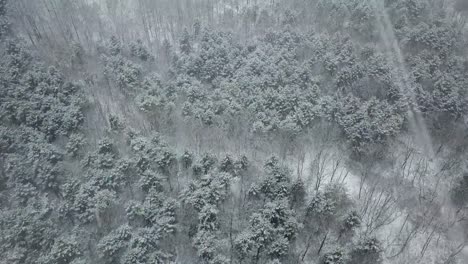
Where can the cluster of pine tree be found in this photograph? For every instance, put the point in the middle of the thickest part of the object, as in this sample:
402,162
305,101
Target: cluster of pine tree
120,152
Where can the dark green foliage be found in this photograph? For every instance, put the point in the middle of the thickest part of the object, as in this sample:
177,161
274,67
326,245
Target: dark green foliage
111,245
227,164
75,144
78,54
289,18
459,193
166,50
298,193
4,22
159,212
105,175
78,185
196,27
64,251
205,195
184,43
269,231
274,226
242,164
138,50
209,189
153,154
166,161
208,161
151,180
116,124
277,182
125,73
27,233
197,170
329,205
367,252
155,99
286,81
324,217
368,122
336,257
206,244
3,9
32,164
352,221
114,46
38,97
186,159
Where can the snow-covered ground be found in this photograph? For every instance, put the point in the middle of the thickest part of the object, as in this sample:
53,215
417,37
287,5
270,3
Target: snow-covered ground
406,238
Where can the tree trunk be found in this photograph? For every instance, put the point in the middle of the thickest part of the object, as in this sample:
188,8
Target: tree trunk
322,244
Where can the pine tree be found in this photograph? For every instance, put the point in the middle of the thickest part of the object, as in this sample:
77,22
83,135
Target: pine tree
184,43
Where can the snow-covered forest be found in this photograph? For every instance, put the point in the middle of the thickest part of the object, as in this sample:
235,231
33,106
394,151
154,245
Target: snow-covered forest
233,131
